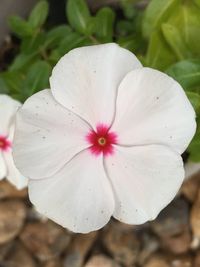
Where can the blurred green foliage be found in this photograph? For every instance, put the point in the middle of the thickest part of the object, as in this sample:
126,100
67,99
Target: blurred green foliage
164,36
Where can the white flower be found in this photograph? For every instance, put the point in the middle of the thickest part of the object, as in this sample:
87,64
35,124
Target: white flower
104,141
8,109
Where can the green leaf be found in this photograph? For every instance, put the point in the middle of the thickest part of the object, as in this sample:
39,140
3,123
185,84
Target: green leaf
78,15
186,72
159,54
130,42
187,21
36,79
39,14
91,27
4,89
22,61
191,29
194,150
194,147
33,44
197,2
128,9
20,27
195,100
175,41
54,57
124,27
56,35
13,80
157,12
104,26
71,41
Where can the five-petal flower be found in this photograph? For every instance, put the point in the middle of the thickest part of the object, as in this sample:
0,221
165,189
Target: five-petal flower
8,109
106,140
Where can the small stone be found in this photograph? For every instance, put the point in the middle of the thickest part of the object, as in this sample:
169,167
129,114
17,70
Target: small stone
34,215
46,240
197,260
78,249
173,220
183,261
124,245
101,261
20,257
195,243
195,217
190,188
172,226
150,244
192,169
157,260
7,190
52,263
177,244
4,250
12,217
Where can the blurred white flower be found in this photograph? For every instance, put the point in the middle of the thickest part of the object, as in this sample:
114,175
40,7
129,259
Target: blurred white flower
105,140
8,109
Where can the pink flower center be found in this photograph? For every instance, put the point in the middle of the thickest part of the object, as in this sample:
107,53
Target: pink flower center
5,144
101,140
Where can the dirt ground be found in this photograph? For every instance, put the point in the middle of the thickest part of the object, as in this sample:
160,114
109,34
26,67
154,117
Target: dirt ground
29,240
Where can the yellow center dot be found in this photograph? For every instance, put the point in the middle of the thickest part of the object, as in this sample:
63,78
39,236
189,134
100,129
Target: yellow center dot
102,141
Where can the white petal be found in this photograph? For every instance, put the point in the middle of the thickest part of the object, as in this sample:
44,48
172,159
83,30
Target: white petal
78,197
8,109
86,80
13,175
3,169
47,136
153,108
145,179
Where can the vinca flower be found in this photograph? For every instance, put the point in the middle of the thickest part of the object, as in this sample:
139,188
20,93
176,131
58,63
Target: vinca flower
8,109
105,140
